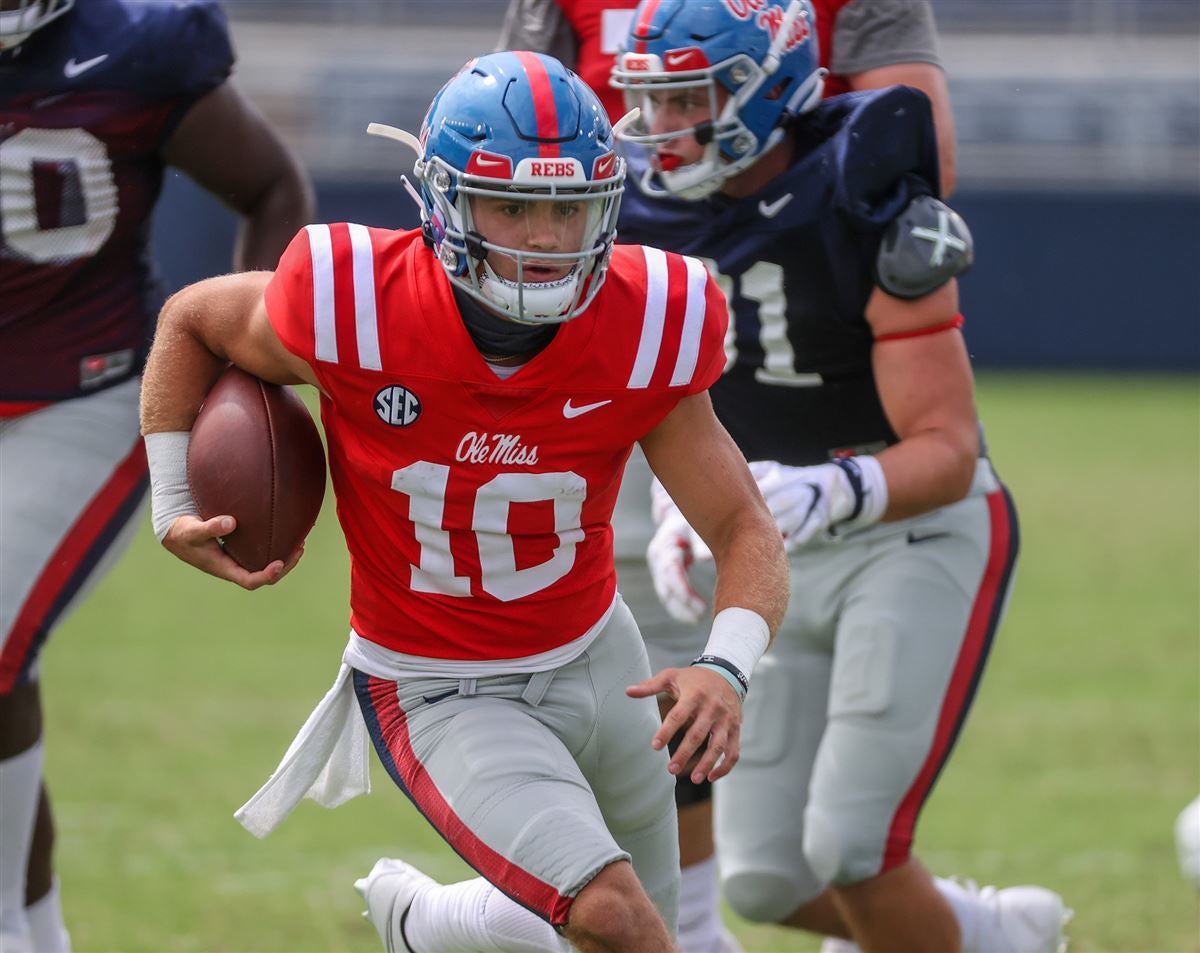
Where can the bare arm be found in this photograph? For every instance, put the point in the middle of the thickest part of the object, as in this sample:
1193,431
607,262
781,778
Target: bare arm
930,80
226,145
703,470
201,329
539,25
927,391
878,43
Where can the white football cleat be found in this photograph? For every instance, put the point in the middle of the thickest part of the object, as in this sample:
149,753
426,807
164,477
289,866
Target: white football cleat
389,890
1187,841
1011,920
1023,919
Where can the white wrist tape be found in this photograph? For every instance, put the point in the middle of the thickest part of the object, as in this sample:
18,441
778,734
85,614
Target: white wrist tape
170,494
738,637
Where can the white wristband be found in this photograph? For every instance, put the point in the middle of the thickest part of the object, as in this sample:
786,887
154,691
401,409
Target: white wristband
739,637
170,494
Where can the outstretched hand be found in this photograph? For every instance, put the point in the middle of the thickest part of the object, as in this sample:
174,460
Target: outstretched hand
672,550
197,543
708,711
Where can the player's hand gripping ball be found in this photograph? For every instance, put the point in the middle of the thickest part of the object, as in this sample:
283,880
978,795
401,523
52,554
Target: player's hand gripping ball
255,455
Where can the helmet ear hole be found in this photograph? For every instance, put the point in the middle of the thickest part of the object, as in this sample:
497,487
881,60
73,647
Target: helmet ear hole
777,91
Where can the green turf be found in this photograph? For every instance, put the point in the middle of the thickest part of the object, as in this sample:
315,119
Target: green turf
170,697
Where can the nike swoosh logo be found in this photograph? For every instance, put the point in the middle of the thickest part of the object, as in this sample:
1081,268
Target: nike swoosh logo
480,160
812,506
771,209
71,69
676,58
570,411
913,538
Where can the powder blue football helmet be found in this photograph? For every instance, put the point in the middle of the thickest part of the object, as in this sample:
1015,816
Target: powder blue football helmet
756,61
521,130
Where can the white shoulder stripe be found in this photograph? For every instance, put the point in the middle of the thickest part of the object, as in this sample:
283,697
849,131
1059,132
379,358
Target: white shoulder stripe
693,323
320,245
652,321
366,325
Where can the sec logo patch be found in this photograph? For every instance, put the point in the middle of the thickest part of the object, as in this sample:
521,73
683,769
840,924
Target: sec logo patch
397,406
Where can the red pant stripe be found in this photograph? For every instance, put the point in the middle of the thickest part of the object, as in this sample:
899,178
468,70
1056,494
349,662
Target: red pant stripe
72,562
388,726
984,620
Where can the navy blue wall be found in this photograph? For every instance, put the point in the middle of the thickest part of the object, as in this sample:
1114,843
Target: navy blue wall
1095,280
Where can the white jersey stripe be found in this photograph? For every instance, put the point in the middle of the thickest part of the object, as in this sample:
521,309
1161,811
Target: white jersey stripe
653,319
320,245
366,325
693,323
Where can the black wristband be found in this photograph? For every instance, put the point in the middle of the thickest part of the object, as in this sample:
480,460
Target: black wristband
728,666
854,474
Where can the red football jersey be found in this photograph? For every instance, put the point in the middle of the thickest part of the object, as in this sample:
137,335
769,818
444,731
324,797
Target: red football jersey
477,510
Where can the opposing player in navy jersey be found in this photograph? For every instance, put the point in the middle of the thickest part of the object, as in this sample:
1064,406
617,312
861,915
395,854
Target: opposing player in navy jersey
95,100
849,388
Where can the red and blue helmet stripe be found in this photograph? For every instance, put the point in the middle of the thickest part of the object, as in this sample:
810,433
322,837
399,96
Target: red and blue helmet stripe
516,105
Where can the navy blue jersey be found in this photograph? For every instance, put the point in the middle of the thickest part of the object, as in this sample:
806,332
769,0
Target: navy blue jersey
797,263
86,105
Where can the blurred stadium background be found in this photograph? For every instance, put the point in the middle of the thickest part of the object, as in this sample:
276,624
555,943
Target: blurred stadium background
1079,130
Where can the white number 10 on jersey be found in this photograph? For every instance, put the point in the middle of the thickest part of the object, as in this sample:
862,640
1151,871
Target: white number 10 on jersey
425,486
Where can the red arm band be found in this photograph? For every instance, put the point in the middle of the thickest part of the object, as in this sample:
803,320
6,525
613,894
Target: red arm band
952,324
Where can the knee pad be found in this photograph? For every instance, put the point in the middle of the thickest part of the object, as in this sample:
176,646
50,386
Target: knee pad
688,793
822,846
762,896
838,851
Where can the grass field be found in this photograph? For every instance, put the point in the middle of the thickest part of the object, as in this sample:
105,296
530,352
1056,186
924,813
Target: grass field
171,696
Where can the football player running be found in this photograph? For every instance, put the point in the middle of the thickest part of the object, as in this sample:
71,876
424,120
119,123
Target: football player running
94,102
482,381
866,44
850,390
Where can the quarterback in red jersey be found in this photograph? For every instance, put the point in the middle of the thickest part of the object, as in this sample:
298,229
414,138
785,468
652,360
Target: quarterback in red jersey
95,102
483,381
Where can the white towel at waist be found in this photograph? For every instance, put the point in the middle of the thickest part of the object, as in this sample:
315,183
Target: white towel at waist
328,761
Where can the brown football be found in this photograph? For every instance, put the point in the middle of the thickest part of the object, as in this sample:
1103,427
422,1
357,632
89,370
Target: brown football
255,455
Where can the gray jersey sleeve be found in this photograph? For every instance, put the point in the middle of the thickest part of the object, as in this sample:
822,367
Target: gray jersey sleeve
541,26
869,34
